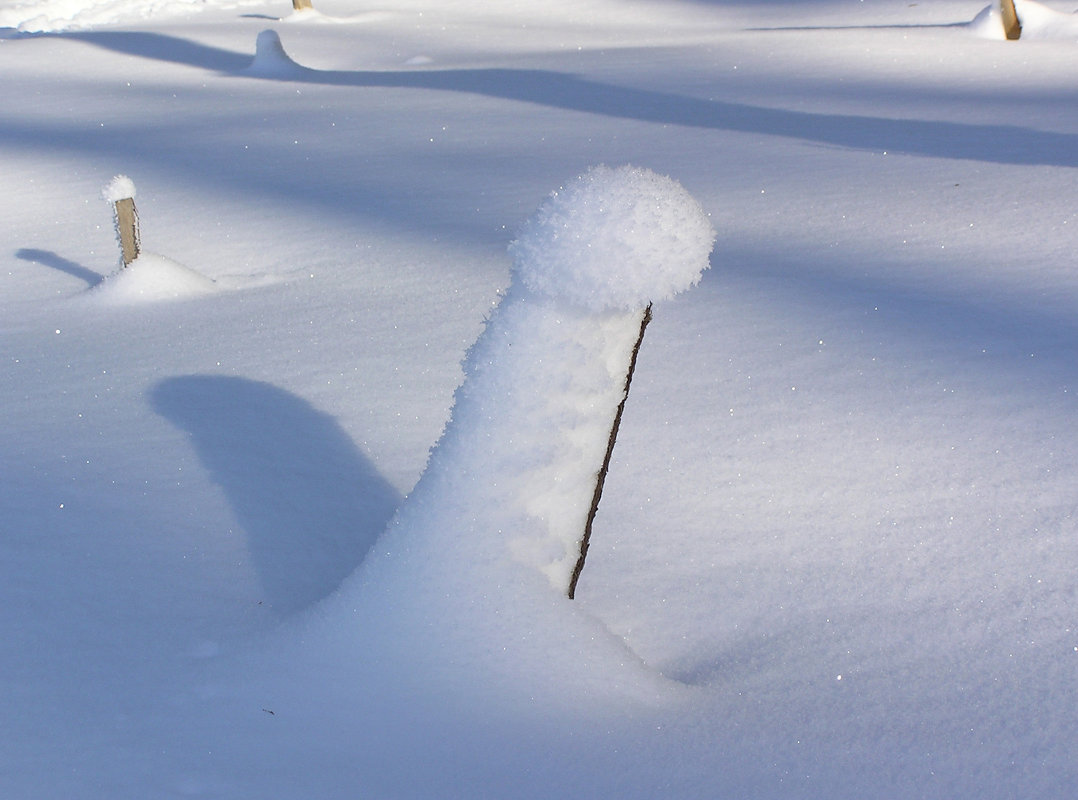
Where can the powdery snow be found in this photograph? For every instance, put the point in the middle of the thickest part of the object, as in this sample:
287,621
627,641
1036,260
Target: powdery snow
37,16
614,238
515,472
1039,21
294,520
516,469
119,188
149,278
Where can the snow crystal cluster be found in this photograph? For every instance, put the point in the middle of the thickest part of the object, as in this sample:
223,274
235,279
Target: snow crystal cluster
119,188
615,238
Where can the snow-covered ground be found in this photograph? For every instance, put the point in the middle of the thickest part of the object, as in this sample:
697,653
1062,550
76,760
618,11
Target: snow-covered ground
837,552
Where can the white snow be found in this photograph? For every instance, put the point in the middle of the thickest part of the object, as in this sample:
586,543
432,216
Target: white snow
152,277
515,471
614,238
34,16
271,60
287,506
119,188
1042,22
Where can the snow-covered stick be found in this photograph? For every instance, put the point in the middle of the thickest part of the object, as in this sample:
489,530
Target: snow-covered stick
595,256
600,479
517,476
121,193
1012,26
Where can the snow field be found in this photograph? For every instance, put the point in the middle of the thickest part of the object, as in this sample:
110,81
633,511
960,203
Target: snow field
835,552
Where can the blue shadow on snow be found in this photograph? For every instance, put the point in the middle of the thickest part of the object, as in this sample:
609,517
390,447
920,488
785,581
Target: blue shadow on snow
310,503
1000,144
50,259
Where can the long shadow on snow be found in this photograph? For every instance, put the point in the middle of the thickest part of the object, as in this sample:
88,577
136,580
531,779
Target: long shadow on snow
50,259
1000,144
310,502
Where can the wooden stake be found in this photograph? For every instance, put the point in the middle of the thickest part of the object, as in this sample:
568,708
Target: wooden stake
301,5
600,479
127,229
1012,26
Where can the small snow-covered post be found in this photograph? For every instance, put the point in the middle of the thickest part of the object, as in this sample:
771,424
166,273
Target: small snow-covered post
1012,26
121,193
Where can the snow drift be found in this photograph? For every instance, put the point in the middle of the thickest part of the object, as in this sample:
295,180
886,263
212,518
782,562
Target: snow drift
501,507
1038,22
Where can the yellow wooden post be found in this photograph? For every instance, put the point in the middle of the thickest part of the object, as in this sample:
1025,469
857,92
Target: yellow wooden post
301,5
1012,26
127,229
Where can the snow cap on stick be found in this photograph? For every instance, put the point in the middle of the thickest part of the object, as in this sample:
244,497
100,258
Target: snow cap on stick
614,238
119,188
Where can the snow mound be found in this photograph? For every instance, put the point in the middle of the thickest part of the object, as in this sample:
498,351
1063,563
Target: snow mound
988,24
271,60
150,278
119,188
1038,22
614,238
39,16
1041,22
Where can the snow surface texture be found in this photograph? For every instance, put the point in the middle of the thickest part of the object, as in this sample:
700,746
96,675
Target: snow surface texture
35,16
837,546
615,239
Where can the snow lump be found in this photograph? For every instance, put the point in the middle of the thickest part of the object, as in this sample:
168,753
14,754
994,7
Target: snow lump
614,238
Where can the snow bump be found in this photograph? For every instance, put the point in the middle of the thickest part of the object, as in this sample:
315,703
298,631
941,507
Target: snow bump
614,238
271,60
151,278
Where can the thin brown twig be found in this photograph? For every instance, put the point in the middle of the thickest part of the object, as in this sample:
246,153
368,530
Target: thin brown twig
600,479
